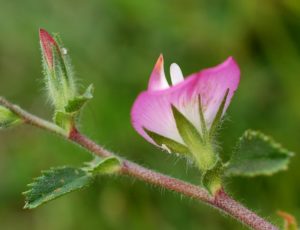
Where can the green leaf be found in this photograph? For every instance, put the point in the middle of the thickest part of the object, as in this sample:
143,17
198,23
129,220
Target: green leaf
202,152
106,165
78,102
212,180
170,144
55,183
8,118
257,154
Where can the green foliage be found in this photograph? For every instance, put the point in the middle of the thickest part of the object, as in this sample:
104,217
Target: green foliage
110,36
55,183
8,118
257,154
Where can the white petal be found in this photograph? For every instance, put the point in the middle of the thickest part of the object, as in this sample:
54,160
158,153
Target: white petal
176,74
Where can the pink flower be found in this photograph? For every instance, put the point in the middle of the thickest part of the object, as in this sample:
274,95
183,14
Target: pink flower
153,110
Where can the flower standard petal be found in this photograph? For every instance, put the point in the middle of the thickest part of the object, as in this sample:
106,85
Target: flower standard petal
152,109
214,82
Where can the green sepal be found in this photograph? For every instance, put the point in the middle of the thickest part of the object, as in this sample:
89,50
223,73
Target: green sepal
8,118
55,183
108,165
202,121
78,102
212,179
257,154
202,152
171,145
216,122
186,129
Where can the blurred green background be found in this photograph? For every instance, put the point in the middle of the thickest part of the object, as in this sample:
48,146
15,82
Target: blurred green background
114,44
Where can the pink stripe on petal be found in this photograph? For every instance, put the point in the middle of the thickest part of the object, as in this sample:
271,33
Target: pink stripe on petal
152,109
158,79
47,42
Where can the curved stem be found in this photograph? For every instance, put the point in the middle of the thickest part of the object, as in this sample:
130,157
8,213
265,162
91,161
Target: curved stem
221,200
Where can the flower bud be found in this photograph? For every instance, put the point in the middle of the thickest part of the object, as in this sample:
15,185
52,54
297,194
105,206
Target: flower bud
60,83
58,73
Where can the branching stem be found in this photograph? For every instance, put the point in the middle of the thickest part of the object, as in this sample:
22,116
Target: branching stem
220,201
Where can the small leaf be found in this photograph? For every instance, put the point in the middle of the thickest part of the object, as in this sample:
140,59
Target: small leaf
55,183
172,145
78,102
290,222
8,118
212,180
106,165
257,154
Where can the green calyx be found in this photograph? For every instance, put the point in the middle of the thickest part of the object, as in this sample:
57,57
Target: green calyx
201,149
198,146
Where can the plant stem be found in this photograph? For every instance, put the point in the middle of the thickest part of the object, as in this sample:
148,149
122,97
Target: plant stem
220,201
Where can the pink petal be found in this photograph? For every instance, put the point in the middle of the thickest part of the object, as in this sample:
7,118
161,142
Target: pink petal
158,79
47,42
152,109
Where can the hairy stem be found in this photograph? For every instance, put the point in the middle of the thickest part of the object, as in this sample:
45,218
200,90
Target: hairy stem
221,200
